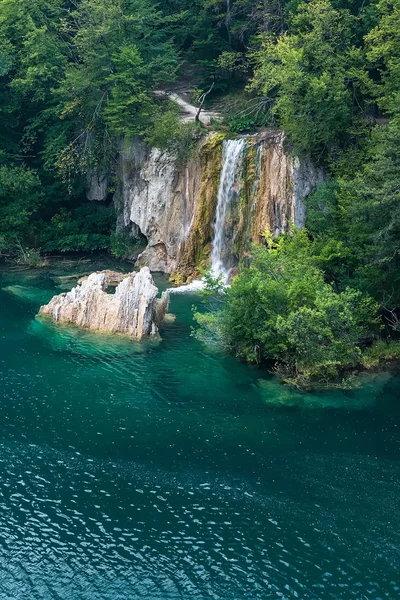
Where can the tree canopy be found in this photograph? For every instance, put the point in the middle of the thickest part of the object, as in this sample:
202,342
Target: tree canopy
80,77
281,309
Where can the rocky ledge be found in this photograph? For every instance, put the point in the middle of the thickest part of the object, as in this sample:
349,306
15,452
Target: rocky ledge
112,302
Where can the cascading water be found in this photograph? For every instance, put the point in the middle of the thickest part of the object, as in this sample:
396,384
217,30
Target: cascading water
222,245
187,222
222,254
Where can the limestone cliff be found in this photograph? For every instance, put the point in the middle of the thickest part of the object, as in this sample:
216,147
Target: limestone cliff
280,182
156,198
268,193
174,205
273,187
196,246
133,308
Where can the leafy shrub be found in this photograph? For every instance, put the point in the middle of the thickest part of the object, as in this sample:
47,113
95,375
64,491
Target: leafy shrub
30,257
280,309
85,228
241,123
20,197
242,112
168,133
381,351
123,245
13,248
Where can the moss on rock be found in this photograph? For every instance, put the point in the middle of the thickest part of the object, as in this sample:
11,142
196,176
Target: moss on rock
196,250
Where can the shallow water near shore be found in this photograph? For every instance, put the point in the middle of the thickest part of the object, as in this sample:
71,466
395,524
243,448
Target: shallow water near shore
167,470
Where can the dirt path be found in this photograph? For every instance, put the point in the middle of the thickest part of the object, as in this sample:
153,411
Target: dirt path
189,111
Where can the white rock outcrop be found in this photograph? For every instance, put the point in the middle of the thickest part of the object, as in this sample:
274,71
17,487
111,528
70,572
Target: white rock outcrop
156,198
133,308
97,184
189,112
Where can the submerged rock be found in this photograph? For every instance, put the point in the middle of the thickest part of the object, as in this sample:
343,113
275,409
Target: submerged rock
28,293
133,308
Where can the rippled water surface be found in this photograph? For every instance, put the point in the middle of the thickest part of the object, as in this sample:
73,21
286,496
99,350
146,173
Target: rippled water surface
167,471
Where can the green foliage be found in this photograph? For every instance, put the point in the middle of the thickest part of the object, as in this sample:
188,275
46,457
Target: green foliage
313,76
168,133
383,52
381,352
29,257
355,221
123,53
124,245
281,309
210,330
246,120
85,228
323,339
128,104
20,196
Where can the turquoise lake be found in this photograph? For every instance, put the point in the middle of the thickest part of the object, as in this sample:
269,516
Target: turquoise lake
170,471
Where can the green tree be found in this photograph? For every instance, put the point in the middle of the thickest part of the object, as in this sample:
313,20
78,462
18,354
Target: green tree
313,76
371,199
324,339
280,309
383,52
122,51
20,197
355,221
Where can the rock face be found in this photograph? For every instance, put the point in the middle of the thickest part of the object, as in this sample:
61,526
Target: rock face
174,206
133,309
156,199
267,193
277,184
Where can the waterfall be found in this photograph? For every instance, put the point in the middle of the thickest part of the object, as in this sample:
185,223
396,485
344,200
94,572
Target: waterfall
222,245
186,224
222,253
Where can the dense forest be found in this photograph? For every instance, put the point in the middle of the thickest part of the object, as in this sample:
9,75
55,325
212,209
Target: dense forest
79,76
